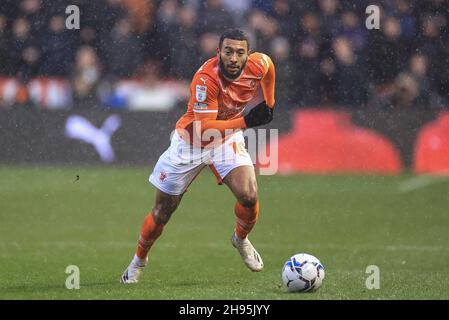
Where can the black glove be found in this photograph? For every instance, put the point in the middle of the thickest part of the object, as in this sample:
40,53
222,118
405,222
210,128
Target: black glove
259,115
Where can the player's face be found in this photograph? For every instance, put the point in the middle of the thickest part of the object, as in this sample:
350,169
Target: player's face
233,56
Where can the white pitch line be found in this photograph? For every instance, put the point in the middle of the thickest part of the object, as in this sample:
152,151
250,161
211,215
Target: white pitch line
420,182
221,244
416,248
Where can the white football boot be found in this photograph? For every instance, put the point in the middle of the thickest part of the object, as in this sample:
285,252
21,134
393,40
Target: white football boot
250,256
134,271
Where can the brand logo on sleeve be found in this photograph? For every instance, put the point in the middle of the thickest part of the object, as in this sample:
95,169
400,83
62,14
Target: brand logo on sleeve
201,93
200,106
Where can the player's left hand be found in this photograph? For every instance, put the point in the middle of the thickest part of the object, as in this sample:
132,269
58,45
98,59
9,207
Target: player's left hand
259,115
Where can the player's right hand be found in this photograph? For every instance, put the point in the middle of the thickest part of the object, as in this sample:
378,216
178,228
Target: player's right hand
259,115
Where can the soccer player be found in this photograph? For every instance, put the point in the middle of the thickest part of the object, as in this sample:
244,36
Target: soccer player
209,134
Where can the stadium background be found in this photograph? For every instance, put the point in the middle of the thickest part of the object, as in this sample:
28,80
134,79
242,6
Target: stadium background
363,101
392,80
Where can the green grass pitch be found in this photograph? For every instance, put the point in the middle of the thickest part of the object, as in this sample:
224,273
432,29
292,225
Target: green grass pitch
49,221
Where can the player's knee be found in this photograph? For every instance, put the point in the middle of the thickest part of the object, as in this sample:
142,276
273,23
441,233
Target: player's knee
162,212
161,216
248,199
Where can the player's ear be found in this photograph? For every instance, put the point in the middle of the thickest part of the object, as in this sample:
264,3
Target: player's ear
218,50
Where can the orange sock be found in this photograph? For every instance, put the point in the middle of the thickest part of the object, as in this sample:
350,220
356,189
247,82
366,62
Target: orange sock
246,219
148,234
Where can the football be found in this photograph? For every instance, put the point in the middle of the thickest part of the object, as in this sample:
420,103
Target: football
303,273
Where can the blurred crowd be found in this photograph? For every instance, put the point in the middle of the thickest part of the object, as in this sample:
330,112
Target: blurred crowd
141,54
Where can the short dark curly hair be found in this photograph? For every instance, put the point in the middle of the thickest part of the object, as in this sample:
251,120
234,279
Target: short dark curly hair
234,34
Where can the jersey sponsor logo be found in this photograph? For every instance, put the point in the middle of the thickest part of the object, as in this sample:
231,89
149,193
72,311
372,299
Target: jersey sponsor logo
201,93
200,106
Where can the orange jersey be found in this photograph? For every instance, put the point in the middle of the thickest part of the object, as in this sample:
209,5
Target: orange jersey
213,98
